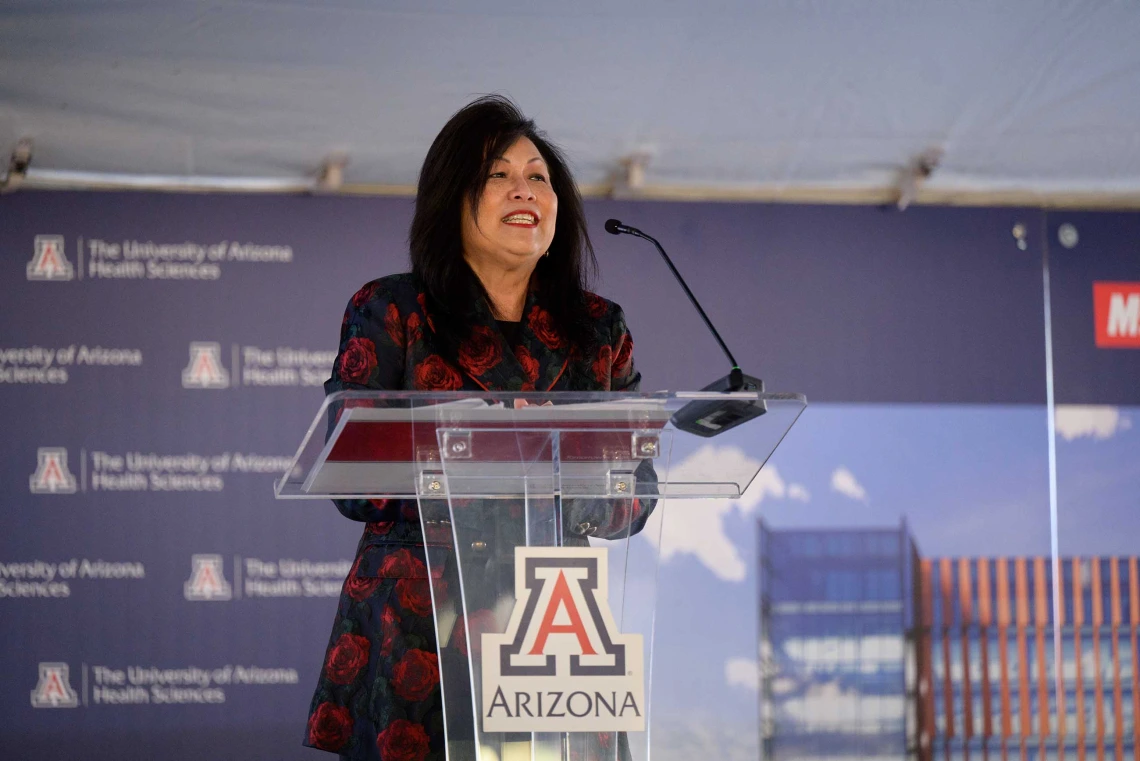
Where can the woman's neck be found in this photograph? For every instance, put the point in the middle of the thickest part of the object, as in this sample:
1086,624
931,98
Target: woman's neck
506,290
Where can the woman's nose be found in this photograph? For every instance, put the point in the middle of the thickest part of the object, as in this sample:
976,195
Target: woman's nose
521,190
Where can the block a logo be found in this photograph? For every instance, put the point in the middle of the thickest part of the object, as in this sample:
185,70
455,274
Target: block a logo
49,262
205,369
53,690
52,475
562,665
207,580
1116,309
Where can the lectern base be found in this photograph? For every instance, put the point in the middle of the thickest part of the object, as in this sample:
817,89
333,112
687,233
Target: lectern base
511,751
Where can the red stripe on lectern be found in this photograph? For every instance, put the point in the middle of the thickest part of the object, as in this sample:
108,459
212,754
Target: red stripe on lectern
401,441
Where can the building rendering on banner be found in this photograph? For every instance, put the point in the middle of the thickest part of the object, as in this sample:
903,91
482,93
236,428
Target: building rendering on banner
871,651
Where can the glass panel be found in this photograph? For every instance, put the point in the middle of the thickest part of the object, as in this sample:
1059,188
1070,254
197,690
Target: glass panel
949,586
1094,317
572,477
930,519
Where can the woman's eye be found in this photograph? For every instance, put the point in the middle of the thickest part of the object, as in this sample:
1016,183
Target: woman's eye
498,175
538,177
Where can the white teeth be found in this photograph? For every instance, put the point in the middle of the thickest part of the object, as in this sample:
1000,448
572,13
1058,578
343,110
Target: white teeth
525,218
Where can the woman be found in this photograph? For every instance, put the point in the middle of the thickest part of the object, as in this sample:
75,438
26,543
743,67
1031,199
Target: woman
495,302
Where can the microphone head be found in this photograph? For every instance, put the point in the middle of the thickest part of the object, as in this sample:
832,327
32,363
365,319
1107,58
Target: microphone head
613,227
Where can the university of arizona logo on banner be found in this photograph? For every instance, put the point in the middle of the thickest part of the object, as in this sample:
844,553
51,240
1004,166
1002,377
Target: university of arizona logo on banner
562,665
207,580
53,690
52,475
49,262
205,369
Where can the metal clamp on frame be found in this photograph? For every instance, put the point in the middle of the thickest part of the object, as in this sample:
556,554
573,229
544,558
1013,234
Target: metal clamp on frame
455,445
646,445
621,483
432,483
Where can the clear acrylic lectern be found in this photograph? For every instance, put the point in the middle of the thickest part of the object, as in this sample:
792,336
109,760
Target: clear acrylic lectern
542,519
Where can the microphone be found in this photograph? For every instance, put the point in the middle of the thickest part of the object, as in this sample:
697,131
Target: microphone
707,418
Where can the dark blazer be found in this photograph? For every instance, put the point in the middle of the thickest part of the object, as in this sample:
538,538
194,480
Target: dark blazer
378,696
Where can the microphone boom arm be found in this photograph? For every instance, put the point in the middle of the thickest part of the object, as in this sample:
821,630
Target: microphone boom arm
736,376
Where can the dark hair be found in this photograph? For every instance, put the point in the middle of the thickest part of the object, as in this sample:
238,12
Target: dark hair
455,172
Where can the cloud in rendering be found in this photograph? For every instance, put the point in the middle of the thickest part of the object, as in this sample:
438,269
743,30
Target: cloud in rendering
844,482
1096,421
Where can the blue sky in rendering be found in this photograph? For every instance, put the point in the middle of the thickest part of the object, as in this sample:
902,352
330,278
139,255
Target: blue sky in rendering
968,480
1098,481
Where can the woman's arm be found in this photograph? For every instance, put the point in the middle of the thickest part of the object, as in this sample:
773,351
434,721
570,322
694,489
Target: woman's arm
371,358
623,374
616,518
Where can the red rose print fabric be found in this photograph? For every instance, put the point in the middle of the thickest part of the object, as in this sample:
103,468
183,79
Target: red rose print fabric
435,374
478,623
415,676
542,324
346,658
358,587
357,360
403,741
603,365
403,564
330,726
414,596
481,352
394,326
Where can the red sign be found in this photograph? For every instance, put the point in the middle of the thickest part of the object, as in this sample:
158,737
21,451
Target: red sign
1116,309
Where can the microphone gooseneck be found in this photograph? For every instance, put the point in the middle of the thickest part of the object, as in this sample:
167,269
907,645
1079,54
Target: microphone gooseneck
708,417
736,376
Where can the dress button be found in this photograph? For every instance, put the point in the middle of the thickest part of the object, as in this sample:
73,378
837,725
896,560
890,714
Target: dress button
478,545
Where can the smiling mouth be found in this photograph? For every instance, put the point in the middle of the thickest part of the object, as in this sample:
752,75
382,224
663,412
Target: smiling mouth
521,219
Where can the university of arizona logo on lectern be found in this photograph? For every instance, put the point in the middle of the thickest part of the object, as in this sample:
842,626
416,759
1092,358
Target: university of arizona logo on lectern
53,690
207,580
52,475
205,369
562,665
49,262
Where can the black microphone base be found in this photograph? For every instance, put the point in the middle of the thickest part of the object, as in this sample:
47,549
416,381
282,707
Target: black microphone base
710,417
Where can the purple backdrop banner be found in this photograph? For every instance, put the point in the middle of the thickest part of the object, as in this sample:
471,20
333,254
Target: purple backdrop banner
162,355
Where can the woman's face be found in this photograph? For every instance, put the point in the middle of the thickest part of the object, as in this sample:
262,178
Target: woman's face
514,223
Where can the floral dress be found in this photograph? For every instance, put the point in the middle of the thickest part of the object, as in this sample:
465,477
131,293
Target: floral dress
378,696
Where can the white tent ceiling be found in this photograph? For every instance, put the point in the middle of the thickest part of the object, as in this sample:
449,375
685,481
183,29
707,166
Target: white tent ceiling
1039,95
